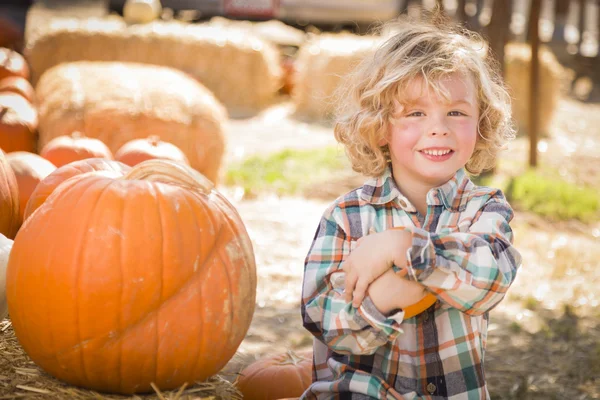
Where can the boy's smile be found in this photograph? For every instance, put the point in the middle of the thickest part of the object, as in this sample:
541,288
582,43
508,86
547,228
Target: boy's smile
433,134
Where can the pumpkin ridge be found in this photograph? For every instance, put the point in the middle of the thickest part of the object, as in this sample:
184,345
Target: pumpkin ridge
158,196
246,248
79,255
120,309
138,322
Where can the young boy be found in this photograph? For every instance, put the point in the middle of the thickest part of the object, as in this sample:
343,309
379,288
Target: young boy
418,113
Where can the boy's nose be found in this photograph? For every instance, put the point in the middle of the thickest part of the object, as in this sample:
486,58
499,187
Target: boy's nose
438,130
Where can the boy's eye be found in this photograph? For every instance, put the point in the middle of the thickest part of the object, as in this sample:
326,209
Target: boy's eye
416,114
456,114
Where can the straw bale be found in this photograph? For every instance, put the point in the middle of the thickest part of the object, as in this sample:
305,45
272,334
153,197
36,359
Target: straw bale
240,68
273,30
118,102
517,76
321,64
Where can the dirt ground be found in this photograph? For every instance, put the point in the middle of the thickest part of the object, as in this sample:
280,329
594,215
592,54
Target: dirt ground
544,339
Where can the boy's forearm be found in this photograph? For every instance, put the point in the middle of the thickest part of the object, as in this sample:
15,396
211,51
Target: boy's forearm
391,292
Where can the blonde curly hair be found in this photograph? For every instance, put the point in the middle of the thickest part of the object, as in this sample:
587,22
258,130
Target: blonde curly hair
431,51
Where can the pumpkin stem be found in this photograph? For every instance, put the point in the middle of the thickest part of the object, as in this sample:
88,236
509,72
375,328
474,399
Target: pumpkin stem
170,172
292,358
153,139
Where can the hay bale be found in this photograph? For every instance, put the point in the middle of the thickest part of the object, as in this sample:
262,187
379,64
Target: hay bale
273,30
41,13
118,102
551,82
240,68
320,66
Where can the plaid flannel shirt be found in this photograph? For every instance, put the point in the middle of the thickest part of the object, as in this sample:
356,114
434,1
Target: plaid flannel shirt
461,251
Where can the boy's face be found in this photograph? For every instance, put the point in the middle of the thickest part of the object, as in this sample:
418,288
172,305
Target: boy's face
433,137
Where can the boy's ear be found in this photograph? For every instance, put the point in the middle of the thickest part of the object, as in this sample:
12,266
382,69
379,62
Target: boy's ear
382,142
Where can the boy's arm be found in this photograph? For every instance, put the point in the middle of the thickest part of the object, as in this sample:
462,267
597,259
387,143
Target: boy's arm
471,270
325,312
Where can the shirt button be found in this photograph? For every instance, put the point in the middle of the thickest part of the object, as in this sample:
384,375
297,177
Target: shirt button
403,203
431,388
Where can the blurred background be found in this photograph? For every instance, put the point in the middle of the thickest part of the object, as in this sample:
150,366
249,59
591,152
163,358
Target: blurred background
245,92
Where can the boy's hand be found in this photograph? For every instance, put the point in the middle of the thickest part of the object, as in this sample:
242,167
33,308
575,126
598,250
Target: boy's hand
391,291
374,254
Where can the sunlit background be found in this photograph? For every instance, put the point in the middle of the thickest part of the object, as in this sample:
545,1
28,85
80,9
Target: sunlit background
268,71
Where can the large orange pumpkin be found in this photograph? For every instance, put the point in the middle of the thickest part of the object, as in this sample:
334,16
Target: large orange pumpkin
63,150
18,85
51,182
145,278
275,377
9,199
30,169
12,64
18,123
138,150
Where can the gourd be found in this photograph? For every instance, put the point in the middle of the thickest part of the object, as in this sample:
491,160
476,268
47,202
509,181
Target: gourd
9,199
141,11
63,150
137,150
274,377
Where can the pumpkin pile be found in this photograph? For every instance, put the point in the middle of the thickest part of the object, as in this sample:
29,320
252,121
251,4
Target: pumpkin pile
150,271
18,115
140,276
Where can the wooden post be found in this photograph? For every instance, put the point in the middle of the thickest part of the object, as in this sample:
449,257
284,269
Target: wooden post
460,12
534,39
498,30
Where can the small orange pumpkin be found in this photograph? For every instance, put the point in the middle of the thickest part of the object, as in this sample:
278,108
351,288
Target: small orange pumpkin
9,199
12,64
63,150
30,169
45,188
18,123
275,377
18,85
145,278
138,150
423,304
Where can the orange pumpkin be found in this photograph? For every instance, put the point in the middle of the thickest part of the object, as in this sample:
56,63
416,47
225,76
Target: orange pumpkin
18,85
63,150
12,64
18,123
30,169
138,150
9,199
51,182
423,304
275,377
149,277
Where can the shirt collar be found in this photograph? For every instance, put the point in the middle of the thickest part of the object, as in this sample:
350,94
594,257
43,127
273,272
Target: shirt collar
383,189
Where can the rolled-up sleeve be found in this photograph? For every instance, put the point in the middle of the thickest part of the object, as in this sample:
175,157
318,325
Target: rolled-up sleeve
470,270
325,313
